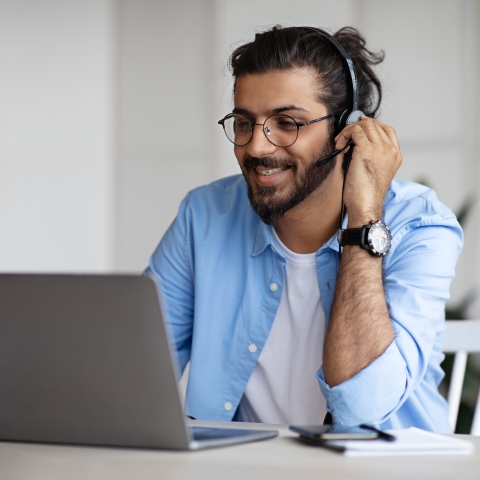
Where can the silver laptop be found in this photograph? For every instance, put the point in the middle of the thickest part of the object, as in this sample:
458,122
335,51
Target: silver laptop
85,359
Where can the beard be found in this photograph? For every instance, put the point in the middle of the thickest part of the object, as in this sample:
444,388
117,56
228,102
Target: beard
262,198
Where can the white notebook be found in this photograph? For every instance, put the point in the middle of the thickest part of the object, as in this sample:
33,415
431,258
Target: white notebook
411,441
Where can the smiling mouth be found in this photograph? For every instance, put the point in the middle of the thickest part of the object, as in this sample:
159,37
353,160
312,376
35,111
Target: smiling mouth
271,171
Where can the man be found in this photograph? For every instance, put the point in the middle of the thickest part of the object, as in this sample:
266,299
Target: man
278,328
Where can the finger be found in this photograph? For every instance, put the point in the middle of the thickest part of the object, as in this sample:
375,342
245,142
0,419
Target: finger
383,135
370,128
345,134
342,138
354,132
390,138
390,132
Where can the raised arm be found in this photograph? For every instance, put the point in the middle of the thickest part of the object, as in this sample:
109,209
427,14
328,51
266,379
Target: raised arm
359,330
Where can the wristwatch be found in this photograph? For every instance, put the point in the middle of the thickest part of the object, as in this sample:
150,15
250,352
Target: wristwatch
374,237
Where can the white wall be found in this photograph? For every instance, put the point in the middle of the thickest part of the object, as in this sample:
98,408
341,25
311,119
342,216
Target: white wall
165,74
56,135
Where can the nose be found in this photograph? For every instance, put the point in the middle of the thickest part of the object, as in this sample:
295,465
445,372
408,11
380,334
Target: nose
259,146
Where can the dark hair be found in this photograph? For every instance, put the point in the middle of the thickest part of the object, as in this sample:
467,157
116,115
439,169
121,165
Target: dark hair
295,47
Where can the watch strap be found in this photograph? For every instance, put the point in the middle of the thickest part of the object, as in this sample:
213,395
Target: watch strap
352,236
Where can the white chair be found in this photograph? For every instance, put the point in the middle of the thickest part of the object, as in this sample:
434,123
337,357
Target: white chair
461,338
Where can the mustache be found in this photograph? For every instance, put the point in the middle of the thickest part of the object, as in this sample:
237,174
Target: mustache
268,162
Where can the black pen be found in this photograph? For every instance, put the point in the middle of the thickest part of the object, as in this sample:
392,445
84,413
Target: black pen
381,434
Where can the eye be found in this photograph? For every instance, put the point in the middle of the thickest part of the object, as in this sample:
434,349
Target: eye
242,125
285,123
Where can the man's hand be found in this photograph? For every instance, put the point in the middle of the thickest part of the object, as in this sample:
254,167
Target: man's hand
375,160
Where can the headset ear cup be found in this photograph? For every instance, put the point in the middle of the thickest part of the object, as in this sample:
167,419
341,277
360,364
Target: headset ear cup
354,117
341,121
346,118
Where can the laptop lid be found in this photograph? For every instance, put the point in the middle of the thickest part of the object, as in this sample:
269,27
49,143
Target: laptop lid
85,359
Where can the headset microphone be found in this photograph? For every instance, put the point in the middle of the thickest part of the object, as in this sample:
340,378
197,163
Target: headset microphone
352,118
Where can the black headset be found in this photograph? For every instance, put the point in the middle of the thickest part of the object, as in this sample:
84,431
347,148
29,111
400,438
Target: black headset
351,114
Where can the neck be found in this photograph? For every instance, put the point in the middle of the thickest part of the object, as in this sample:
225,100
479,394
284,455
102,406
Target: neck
310,224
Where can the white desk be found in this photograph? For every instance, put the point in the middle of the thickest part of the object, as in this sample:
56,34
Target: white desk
280,458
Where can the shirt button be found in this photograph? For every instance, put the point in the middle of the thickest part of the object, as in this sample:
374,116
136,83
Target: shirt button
252,348
274,250
227,406
273,287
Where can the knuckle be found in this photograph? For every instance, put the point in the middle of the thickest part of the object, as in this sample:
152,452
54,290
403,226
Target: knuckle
393,150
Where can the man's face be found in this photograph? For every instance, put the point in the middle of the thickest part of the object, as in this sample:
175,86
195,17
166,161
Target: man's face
278,178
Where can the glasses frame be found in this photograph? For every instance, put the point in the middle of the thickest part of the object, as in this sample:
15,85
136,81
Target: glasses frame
252,125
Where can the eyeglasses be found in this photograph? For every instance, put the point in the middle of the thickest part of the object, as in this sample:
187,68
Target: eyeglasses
280,130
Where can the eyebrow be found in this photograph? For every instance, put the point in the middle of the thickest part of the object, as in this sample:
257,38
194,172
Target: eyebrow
275,111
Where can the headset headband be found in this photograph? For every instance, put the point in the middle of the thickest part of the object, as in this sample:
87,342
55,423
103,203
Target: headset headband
347,65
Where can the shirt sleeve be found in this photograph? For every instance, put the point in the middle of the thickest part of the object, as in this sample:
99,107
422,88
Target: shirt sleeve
171,268
418,273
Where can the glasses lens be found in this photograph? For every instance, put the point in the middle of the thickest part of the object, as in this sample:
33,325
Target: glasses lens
281,130
238,129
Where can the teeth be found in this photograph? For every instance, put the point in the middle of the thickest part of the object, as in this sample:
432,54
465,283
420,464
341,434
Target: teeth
271,171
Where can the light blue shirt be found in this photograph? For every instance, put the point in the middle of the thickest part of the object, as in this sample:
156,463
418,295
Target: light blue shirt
220,279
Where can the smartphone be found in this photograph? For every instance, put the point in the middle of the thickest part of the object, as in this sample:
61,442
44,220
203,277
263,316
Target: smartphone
321,433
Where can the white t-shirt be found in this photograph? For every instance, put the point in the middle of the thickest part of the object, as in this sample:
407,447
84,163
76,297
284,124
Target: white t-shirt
283,387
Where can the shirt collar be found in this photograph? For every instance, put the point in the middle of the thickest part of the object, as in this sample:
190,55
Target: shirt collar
264,238
333,242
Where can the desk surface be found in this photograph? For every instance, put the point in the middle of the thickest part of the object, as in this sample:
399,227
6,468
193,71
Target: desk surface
281,458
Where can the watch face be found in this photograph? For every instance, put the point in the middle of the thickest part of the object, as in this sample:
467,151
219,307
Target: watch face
379,238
